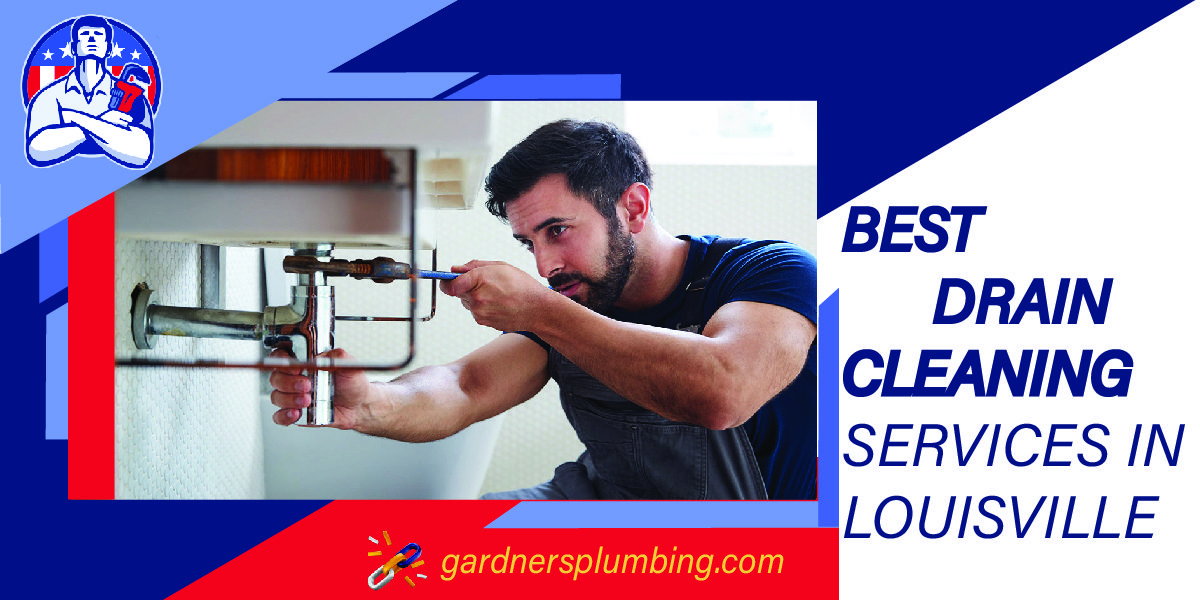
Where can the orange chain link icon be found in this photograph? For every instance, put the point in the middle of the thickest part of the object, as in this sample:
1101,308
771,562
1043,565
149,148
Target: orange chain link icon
399,561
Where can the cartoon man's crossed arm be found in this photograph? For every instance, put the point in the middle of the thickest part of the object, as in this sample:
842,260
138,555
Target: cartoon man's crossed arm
128,144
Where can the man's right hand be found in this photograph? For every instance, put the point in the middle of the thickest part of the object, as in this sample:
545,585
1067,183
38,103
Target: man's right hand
292,392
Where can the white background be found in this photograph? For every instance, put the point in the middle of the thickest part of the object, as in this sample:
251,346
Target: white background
1093,177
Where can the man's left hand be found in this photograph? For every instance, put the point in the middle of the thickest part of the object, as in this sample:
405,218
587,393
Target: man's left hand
498,294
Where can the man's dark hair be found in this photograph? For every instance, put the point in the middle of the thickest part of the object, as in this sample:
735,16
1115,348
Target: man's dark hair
599,160
92,21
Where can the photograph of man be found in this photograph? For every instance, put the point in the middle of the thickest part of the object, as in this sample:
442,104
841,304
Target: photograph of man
72,116
686,364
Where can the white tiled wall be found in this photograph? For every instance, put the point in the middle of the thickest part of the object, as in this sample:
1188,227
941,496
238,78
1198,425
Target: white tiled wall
186,433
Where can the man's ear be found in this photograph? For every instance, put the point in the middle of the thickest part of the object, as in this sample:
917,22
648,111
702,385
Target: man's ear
636,204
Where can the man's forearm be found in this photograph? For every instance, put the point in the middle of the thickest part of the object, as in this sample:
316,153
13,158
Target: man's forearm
55,142
679,375
130,145
420,406
431,403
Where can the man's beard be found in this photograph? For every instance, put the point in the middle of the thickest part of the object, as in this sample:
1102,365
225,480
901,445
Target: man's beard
603,292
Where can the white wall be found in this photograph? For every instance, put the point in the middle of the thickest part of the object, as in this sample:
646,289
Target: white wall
186,433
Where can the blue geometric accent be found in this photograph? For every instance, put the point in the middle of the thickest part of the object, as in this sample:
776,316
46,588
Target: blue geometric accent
895,80
52,262
375,86
657,515
542,87
56,374
829,431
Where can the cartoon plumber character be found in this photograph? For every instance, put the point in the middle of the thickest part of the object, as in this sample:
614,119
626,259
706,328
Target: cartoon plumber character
72,116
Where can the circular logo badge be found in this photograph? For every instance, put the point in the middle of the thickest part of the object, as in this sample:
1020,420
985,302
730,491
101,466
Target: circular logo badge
53,57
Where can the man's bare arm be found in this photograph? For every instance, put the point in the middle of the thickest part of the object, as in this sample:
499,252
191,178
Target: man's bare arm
130,145
434,402
429,403
747,354
55,142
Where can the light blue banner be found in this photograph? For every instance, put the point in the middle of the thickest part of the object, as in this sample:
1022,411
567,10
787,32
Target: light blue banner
56,374
52,260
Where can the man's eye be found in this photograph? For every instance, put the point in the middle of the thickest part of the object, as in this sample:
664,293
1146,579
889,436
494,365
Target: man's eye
556,230
526,244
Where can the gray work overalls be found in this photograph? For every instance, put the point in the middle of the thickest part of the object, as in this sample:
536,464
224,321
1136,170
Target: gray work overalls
635,453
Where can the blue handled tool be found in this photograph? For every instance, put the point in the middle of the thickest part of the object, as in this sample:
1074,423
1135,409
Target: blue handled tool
381,269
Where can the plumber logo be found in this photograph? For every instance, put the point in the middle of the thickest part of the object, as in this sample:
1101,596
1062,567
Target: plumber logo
91,87
407,558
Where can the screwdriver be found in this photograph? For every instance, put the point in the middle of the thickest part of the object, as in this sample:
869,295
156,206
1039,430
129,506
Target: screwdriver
381,269
436,274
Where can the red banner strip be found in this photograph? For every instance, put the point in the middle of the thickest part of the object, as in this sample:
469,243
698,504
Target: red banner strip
91,421
333,552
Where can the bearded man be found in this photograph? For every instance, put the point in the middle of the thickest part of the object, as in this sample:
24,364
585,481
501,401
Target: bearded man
685,364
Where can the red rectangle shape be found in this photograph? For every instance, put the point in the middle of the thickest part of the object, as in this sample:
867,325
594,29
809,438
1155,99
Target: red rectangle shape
461,557
91,415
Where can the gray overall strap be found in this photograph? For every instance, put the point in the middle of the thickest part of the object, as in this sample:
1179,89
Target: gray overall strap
691,315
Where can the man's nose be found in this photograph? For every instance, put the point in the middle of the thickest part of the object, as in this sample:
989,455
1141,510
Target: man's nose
548,262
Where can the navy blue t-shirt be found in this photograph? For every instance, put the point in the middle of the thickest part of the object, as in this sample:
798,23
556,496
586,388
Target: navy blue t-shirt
784,431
